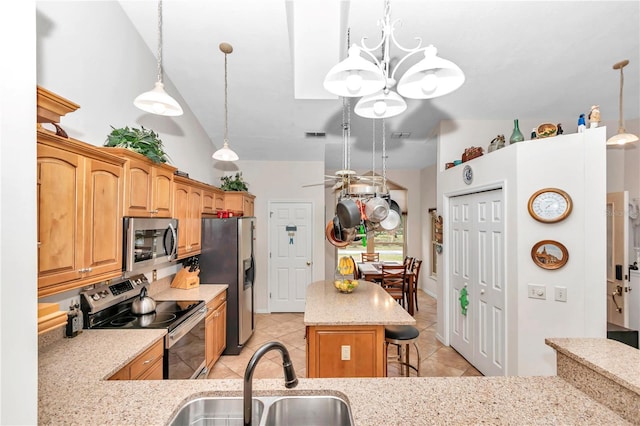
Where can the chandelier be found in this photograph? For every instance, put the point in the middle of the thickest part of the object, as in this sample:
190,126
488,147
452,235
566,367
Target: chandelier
225,153
156,100
373,81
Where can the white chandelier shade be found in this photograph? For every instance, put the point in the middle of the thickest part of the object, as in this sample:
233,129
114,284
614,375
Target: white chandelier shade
431,77
622,137
157,101
225,153
354,76
359,76
383,104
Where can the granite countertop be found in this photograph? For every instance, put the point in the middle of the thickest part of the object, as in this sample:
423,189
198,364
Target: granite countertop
369,304
72,388
204,292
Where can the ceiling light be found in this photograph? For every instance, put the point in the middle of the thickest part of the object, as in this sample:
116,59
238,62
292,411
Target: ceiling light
157,101
371,78
622,137
225,153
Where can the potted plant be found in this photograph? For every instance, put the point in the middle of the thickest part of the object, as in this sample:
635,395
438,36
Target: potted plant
230,183
143,141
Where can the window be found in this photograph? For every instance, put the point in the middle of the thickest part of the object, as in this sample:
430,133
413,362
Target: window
390,244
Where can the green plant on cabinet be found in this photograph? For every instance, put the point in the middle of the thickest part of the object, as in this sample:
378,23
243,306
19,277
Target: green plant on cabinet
143,141
233,183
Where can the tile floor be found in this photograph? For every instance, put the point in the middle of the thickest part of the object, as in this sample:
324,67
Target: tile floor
288,328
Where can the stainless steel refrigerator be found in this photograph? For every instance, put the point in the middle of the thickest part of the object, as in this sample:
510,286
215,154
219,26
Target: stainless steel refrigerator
228,258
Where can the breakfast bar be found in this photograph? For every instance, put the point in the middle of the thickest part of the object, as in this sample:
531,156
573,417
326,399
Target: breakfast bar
345,331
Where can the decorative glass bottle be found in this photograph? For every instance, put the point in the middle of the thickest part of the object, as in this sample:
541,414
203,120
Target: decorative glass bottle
517,135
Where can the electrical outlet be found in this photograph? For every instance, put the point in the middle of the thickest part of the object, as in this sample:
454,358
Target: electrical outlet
155,275
561,294
346,352
537,291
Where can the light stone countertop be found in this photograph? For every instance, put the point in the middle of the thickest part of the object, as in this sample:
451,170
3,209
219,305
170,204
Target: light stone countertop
72,389
369,304
204,292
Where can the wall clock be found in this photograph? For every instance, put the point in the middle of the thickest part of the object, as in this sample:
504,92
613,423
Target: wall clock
550,205
467,174
549,254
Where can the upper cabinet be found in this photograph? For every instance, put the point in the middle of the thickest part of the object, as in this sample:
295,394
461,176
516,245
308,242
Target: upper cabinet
212,200
148,185
79,214
239,203
187,208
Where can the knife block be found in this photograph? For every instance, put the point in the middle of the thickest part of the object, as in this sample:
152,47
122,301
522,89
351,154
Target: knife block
185,279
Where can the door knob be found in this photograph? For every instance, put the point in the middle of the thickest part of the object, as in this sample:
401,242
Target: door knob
482,291
308,263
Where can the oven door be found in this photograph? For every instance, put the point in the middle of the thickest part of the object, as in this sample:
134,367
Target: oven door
185,352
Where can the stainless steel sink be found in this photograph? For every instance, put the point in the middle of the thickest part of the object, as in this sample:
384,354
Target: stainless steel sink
309,411
296,410
216,411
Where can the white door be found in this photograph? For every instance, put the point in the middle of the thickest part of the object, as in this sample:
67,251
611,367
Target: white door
617,258
477,258
290,243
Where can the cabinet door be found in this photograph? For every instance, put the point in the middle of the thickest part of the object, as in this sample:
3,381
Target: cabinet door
181,212
220,330
103,218
219,200
195,221
60,182
208,202
162,194
138,189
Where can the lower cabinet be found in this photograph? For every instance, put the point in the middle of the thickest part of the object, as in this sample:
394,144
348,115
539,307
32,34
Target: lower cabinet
346,351
146,366
216,329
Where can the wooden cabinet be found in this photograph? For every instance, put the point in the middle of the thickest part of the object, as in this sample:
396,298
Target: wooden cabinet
216,329
148,185
187,208
212,200
79,190
146,366
240,203
346,351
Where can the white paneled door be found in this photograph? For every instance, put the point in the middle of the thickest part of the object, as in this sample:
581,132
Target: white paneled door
476,256
290,243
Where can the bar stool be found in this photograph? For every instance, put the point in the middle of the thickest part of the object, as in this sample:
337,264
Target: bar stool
402,336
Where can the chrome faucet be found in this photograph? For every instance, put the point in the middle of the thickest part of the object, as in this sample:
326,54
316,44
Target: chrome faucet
290,379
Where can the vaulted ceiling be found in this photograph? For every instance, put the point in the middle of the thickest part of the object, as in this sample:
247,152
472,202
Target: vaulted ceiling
538,60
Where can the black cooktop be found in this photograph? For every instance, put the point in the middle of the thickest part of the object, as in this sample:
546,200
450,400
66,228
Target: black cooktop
168,314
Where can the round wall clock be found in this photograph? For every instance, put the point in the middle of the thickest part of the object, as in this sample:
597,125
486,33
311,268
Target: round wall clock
550,205
467,174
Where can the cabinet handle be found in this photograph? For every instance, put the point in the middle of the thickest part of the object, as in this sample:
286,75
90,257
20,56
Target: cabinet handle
148,361
89,269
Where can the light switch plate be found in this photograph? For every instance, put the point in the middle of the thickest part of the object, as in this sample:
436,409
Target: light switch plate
536,291
561,294
346,353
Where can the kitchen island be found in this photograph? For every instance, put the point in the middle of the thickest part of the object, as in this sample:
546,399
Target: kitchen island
345,331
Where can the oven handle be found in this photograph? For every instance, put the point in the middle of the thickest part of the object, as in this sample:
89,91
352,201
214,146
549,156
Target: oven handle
174,336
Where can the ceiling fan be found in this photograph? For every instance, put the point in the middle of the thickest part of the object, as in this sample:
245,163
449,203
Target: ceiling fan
345,179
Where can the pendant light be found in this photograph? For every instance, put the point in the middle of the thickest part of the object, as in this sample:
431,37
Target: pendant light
157,101
622,137
225,153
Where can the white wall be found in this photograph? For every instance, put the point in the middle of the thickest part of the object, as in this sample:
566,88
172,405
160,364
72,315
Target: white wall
282,181
575,163
89,53
18,252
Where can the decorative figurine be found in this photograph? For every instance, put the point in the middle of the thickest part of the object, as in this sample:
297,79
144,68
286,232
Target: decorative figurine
582,125
560,131
594,116
533,134
496,143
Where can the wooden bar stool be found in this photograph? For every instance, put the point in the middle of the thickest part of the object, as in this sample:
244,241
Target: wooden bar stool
402,336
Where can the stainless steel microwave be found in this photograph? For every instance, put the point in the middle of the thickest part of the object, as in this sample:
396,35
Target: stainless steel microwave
149,242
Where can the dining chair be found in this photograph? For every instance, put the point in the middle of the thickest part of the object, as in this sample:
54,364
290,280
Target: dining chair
356,271
394,281
416,275
370,257
408,262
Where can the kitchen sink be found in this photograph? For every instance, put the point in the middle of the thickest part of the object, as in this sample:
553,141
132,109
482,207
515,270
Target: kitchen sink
216,411
305,410
309,411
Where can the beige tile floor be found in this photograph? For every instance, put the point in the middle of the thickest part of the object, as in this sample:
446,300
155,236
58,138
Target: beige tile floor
288,328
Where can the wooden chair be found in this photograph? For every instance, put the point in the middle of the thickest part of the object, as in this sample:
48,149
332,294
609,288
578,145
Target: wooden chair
356,271
370,257
394,281
408,262
416,274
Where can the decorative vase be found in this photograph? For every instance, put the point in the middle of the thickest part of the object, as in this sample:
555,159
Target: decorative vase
517,135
